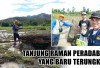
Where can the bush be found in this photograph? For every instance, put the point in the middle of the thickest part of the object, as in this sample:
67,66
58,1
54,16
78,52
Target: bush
13,56
53,66
5,24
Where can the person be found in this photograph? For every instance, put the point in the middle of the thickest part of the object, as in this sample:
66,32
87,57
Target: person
15,31
57,28
94,34
84,26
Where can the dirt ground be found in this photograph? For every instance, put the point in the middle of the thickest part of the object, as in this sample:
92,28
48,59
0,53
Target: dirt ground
63,38
63,41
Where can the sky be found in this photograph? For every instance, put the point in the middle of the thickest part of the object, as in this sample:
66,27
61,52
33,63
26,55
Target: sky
19,8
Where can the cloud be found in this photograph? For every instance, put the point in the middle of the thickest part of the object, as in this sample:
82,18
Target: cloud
7,7
12,8
38,2
79,4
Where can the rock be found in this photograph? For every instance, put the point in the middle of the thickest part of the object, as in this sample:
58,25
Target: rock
10,65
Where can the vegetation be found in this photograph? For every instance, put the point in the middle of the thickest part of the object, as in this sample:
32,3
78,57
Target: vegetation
37,20
3,49
54,66
13,56
26,27
73,11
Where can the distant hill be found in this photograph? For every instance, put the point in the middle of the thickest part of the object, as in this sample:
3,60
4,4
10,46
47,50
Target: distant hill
40,19
40,16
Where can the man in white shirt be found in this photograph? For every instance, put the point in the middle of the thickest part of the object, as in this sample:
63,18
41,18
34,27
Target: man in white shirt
57,28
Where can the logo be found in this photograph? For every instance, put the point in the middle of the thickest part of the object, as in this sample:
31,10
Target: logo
98,37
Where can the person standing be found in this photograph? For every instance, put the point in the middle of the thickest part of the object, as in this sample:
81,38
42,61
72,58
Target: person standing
15,31
57,28
84,26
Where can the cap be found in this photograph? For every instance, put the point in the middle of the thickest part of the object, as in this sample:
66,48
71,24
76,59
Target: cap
96,15
58,16
83,13
16,21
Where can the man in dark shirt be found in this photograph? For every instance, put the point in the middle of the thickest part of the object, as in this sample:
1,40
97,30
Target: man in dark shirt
15,31
87,23
84,21
94,34
84,26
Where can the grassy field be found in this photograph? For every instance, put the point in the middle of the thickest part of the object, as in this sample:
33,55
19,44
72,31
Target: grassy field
26,27
75,17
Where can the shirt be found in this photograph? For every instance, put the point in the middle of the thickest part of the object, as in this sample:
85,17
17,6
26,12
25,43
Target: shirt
56,24
15,28
87,23
94,32
95,37
84,28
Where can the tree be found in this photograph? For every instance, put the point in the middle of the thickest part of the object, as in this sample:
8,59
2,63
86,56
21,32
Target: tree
68,10
73,9
84,9
20,24
63,10
5,24
87,11
35,23
54,11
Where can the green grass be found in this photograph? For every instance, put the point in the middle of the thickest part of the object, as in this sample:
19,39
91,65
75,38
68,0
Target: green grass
32,27
5,28
29,27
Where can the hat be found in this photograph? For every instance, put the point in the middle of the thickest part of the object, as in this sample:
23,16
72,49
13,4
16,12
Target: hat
84,13
96,15
58,16
16,21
